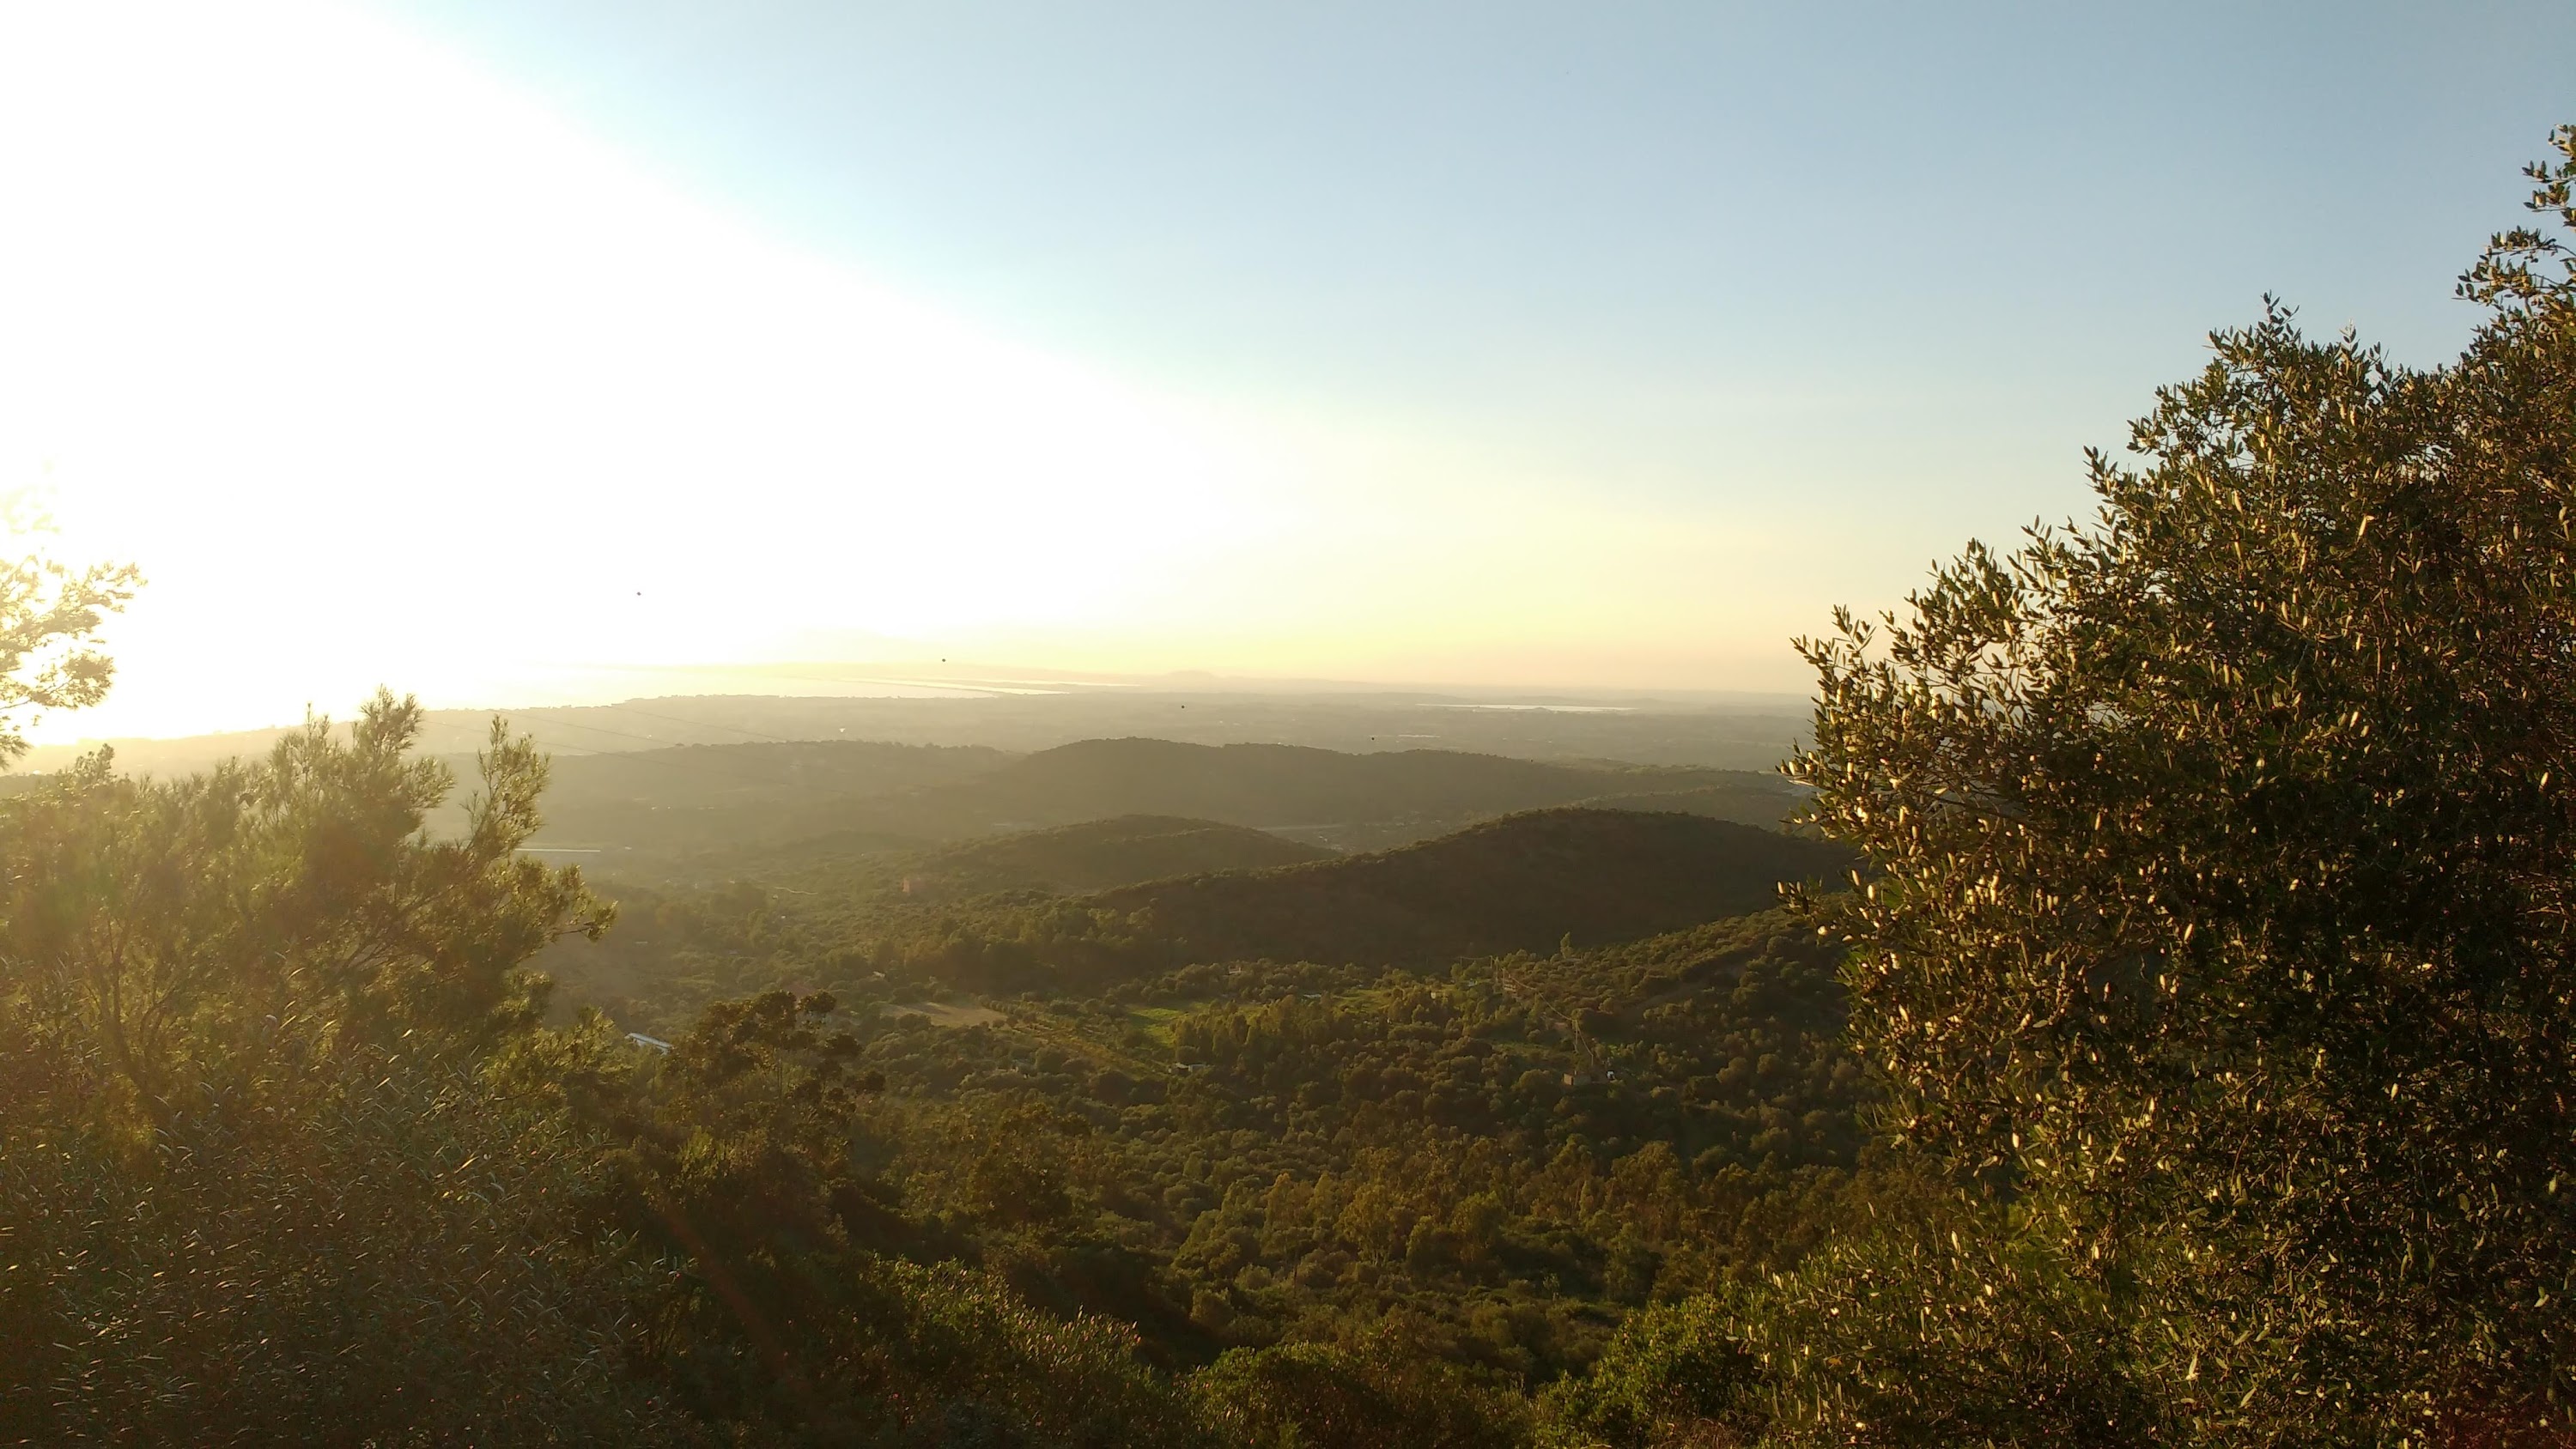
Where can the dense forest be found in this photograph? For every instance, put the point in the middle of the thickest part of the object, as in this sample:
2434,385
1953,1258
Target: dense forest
2154,1028
901,922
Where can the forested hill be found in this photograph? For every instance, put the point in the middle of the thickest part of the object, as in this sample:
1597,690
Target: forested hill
770,774
1274,786
1522,883
695,811
1008,914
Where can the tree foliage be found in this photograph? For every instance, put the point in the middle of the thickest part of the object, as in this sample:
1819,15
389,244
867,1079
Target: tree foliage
2223,858
253,1183
50,615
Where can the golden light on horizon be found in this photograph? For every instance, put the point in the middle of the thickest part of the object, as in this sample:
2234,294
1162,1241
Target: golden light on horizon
383,373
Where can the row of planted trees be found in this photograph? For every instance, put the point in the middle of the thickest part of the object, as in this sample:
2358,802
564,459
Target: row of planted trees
2217,954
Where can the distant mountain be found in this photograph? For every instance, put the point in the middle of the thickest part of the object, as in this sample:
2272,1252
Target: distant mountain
711,797
1295,787
692,776
768,811
1526,882
1736,732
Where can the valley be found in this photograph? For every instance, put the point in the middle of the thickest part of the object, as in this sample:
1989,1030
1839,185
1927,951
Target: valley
1509,1049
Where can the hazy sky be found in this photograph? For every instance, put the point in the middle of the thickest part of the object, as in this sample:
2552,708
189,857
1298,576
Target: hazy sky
471,347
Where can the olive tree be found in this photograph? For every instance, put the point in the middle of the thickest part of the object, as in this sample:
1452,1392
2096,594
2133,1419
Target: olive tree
2219,924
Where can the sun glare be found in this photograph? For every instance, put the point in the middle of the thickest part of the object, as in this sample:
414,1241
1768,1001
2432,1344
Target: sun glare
370,362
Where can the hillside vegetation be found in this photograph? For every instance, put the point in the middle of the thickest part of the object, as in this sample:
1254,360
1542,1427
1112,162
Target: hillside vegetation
1526,882
396,1204
710,811
1521,883
1504,1154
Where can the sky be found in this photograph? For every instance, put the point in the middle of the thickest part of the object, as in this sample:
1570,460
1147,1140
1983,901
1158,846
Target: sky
515,353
